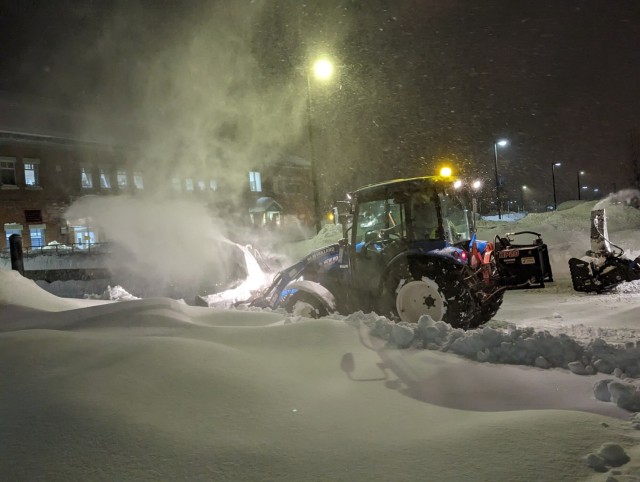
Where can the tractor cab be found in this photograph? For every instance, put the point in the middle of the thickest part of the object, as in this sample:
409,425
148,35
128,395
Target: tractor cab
421,217
419,212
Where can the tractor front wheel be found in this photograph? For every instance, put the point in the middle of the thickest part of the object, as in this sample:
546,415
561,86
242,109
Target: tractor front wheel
429,288
305,304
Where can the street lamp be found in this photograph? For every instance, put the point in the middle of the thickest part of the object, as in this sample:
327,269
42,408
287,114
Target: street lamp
524,188
578,174
323,71
553,180
501,143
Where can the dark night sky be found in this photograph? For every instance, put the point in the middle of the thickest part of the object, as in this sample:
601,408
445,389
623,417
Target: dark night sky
420,80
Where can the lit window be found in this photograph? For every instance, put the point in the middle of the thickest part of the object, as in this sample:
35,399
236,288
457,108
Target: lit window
84,236
202,185
213,184
86,178
137,180
122,179
10,229
31,174
188,182
255,184
8,171
105,179
37,236
176,184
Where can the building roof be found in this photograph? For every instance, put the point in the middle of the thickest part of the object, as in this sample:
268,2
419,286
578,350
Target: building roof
41,118
265,204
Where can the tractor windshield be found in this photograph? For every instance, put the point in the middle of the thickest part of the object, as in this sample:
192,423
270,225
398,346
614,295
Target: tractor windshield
380,217
414,210
455,217
439,214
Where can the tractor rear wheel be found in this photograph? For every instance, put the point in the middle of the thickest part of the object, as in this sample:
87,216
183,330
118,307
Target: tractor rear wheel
429,288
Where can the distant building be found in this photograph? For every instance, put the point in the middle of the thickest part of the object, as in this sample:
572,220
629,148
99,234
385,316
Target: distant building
45,166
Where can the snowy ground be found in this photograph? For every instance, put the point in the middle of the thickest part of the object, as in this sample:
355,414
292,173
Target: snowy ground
155,389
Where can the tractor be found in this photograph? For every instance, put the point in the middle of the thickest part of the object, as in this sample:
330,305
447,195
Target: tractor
409,249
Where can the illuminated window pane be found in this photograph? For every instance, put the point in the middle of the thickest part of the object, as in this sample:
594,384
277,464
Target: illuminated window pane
255,184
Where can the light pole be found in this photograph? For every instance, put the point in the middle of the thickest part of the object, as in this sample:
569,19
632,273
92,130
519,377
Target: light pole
553,180
501,143
322,70
476,185
578,174
524,188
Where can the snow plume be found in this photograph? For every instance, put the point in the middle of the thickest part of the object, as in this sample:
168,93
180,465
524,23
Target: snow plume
211,101
626,197
174,246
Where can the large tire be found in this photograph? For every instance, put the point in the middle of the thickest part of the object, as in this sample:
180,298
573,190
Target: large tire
429,288
488,310
305,304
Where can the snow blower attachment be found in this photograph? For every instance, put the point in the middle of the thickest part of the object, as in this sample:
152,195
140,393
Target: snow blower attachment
408,250
523,265
602,269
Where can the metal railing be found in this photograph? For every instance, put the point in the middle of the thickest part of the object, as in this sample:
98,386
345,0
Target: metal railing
82,249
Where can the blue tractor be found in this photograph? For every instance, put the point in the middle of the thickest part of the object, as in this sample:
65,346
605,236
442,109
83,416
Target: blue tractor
408,249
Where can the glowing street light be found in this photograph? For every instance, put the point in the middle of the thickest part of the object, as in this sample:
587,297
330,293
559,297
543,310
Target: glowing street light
524,189
322,70
553,180
578,174
501,143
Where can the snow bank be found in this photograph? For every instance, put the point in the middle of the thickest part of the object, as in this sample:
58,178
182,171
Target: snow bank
521,346
18,291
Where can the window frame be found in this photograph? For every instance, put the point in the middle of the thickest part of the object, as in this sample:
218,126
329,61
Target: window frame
36,171
104,175
255,181
122,173
86,171
11,228
42,228
138,180
12,161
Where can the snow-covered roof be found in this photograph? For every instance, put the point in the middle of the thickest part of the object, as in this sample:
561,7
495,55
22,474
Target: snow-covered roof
264,204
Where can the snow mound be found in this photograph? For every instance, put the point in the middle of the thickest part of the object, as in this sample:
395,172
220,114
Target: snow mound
115,293
19,291
514,346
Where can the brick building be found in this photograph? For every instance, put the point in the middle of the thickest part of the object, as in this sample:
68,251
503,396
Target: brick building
45,167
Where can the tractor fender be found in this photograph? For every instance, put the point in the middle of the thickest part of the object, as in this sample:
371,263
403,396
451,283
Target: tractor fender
316,290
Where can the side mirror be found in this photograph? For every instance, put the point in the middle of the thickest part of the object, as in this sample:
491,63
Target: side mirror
342,214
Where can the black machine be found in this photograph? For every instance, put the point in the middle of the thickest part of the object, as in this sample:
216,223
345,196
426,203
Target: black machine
523,265
602,268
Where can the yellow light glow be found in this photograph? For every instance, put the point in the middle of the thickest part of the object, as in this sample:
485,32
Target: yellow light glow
330,216
323,69
446,171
